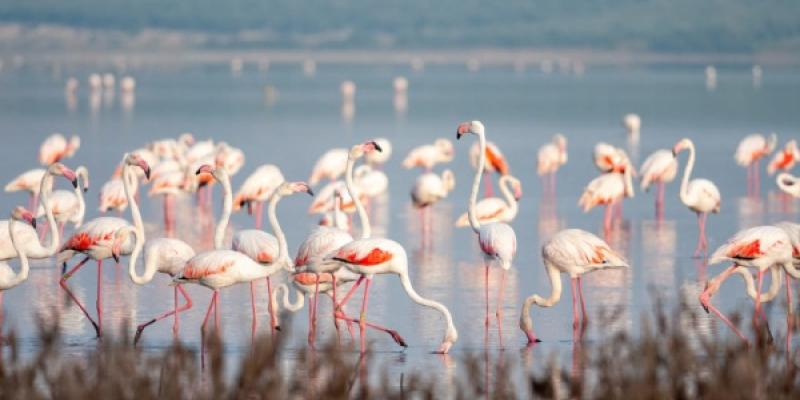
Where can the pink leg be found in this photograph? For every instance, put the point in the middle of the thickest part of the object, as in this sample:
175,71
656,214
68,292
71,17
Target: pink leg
350,292
700,235
211,305
363,317
486,291
393,333
63,283
705,301
166,212
499,312
757,173
217,313
174,312
758,297
259,208
607,217
333,308
790,315
273,322
583,304
487,182
574,287
99,304
254,322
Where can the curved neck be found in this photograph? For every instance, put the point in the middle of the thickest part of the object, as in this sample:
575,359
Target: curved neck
686,174
450,334
227,206
628,180
366,229
127,177
149,262
283,248
473,197
525,321
22,275
505,182
45,188
293,307
791,270
84,176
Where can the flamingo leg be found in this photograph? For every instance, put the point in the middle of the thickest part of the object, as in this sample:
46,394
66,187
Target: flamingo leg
254,322
790,314
700,235
174,312
499,312
99,302
757,174
393,333
757,310
333,307
574,289
35,203
705,299
486,291
211,305
583,304
259,208
607,218
350,292
63,283
488,189
273,321
363,317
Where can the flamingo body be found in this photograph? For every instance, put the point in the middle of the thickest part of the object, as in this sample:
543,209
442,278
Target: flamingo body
659,167
330,166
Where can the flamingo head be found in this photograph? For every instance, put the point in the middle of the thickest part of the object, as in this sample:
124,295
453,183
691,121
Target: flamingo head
517,187
474,127
560,141
136,160
289,188
20,213
120,237
359,150
63,170
683,144
450,338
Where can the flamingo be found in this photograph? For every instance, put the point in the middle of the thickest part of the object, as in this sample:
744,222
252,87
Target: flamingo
56,148
428,155
497,240
495,162
700,195
760,248
324,200
608,158
257,188
25,234
429,188
28,181
550,158
336,218
9,279
786,159
376,159
495,209
228,157
95,240
751,149
69,206
607,189
574,252
371,182
165,255
113,195
632,123
169,185
660,168
330,166
789,184
172,148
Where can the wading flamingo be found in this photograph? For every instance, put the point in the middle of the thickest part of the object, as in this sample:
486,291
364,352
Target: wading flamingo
68,206
330,165
550,158
608,158
760,248
113,194
56,148
700,195
659,168
429,188
785,159
257,188
370,182
573,252
789,184
95,239
608,189
28,181
751,149
428,155
164,255
495,209
497,240
9,279
25,234
495,161
169,185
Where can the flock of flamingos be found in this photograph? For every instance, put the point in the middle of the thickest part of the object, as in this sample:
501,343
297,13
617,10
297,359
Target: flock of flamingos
331,258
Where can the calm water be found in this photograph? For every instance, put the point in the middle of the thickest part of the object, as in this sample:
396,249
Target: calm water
520,110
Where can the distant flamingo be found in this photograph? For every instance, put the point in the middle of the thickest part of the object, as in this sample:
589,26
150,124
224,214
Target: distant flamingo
789,184
495,209
551,157
9,279
632,124
228,157
56,148
428,155
700,195
660,168
608,189
164,255
113,194
25,234
257,188
608,158
761,248
336,218
752,148
68,206
785,159
376,159
429,188
330,165
169,185
497,240
95,240
28,181
574,252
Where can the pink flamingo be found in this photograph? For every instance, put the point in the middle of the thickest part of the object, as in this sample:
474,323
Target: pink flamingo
428,155
660,168
171,148
495,209
700,195
608,158
371,182
169,185
751,149
761,248
25,234
228,157
607,189
164,255
56,148
495,161
28,181
95,240
429,188
786,159
336,218
497,240
113,195
68,206
573,252
257,188
9,279
551,157
330,165
376,159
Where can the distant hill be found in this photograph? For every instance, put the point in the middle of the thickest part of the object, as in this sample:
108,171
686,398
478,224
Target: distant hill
654,25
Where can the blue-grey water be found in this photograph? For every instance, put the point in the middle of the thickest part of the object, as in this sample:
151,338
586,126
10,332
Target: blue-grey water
521,111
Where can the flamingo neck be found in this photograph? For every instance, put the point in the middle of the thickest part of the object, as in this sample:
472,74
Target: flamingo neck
45,188
554,276
83,174
628,180
366,229
293,307
149,262
451,334
22,275
791,270
127,177
513,207
686,175
283,248
473,197
227,207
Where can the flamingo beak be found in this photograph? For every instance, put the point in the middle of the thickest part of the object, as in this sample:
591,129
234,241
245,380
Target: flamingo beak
85,188
463,129
517,194
70,175
116,257
29,218
372,145
309,191
204,169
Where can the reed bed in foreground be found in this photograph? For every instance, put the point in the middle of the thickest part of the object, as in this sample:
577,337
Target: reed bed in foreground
662,362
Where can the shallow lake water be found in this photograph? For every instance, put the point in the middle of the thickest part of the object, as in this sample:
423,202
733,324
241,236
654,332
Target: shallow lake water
521,111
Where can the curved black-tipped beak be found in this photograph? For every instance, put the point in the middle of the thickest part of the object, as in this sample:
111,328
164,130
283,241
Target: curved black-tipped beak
377,147
674,153
199,171
147,173
116,257
75,183
458,135
310,192
86,189
33,223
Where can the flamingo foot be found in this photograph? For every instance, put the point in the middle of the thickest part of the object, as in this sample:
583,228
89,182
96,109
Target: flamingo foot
444,348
